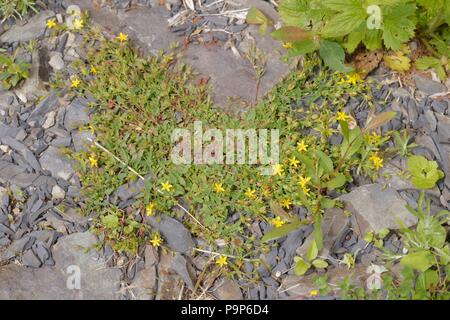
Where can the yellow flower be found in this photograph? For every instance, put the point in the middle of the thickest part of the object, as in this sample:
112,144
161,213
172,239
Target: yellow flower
218,188
302,146
122,37
287,203
304,181
287,45
250,193
75,83
150,209
156,240
374,138
51,23
93,161
277,222
306,191
93,70
222,261
342,116
166,186
293,162
78,24
353,79
376,161
314,293
277,169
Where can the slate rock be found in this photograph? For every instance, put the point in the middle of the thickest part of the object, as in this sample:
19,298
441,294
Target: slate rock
77,115
57,163
31,30
376,208
428,86
96,280
176,235
228,290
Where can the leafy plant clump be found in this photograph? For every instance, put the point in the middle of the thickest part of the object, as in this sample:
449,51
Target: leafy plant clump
424,173
12,71
141,101
334,27
16,8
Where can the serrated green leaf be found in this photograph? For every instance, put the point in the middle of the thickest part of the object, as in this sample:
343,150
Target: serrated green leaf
398,25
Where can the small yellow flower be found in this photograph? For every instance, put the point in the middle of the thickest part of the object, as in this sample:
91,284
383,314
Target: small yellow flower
306,191
150,209
353,78
376,161
277,169
51,23
314,293
156,240
250,193
287,45
304,181
342,116
222,261
93,70
166,186
293,162
78,24
277,222
218,188
122,37
302,146
75,82
287,203
374,138
93,161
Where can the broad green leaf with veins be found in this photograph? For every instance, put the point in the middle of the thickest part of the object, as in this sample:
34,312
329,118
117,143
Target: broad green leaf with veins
398,25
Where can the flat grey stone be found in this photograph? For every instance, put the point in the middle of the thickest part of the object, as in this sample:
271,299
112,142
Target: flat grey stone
377,208
176,235
57,163
54,283
77,115
23,150
428,86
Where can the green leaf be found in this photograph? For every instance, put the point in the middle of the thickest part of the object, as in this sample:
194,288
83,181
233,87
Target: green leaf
336,182
333,56
327,203
301,267
344,129
312,251
300,48
292,34
428,279
383,233
325,161
427,62
277,233
320,264
295,12
420,260
351,16
368,237
353,144
424,173
398,25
